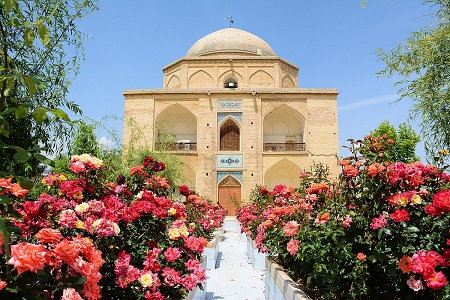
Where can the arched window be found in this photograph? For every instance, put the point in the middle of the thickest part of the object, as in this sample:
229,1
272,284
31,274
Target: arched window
230,82
229,136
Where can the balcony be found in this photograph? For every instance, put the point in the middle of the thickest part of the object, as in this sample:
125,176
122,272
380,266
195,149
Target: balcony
284,147
176,146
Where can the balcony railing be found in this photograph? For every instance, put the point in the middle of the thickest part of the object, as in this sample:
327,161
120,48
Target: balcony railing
174,146
280,147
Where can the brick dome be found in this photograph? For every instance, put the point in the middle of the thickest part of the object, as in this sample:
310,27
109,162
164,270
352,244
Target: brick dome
230,40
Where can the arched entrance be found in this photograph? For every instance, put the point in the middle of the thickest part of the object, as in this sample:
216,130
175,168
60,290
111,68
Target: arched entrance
230,194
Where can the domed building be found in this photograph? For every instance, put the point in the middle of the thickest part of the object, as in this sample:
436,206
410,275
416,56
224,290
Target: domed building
232,110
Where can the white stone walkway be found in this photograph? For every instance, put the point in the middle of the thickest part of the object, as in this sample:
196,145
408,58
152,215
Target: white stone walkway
234,277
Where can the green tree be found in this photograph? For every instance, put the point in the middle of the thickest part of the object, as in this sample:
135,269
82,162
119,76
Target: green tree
40,50
403,142
85,140
423,63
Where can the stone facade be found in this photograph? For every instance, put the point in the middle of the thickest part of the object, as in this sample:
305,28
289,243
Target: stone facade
234,113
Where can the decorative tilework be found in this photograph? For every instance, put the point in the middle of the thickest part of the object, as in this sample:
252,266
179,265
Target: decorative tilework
221,175
232,161
229,105
221,116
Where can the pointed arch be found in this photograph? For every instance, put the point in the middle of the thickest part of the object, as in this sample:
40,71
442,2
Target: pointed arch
261,79
230,76
229,135
176,123
283,124
283,172
288,82
201,79
174,82
229,194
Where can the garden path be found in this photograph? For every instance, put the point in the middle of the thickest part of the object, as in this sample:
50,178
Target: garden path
234,277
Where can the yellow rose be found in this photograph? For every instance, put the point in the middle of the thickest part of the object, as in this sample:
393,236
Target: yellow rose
146,280
416,200
79,224
174,233
184,231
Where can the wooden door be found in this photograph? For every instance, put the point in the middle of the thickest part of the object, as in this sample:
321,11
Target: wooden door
230,194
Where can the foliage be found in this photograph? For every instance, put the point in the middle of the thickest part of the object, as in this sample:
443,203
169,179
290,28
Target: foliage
40,50
126,237
85,140
381,231
422,62
394,145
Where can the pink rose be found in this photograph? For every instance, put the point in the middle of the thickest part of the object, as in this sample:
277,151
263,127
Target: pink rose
292,246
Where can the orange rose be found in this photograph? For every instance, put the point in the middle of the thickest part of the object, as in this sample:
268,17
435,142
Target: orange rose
291,228
29,257
18,191
66,251
350,171
361,256
48,235
344,162
267,223
5,183
375,169
405,264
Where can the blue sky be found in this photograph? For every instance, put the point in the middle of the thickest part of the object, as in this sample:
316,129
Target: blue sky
332,42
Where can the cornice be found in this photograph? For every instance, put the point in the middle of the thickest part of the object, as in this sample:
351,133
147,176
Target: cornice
222,92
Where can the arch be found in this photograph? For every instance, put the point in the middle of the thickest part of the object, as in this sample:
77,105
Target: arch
201,79
283,124
261,79
230,136
174,82
229,194
283,172
230,75
288,82
230,82
176,123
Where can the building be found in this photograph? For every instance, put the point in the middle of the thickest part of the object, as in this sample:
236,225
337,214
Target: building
233,111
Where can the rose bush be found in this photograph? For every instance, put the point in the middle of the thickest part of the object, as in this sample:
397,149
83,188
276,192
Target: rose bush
86,238
382,230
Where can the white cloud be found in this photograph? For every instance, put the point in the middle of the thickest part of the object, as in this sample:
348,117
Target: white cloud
369,102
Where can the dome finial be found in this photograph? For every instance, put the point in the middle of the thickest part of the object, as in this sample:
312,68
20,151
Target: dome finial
231,20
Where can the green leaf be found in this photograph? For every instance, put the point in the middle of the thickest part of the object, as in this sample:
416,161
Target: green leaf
81,280
8,111
25,182
29,36
5,199
21,112
6,238
7,6
22,156
4,131
59,113
31,86
413,229
40,114
44,34
43,159
9,86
